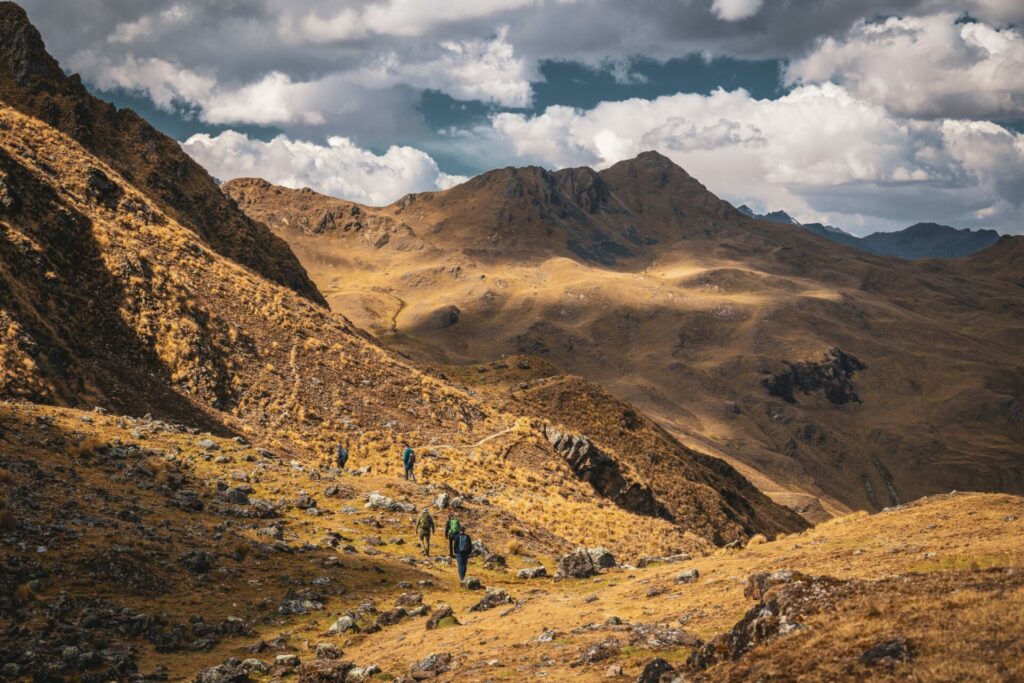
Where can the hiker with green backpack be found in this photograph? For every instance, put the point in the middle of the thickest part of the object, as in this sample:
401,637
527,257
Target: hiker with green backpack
451,529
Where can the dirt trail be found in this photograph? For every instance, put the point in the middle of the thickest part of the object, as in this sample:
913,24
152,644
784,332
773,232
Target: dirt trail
454,447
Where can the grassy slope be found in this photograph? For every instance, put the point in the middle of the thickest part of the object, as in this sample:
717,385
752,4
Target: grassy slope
118,539
691,326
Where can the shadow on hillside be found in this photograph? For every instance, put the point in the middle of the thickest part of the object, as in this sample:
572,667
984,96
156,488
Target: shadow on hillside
62,295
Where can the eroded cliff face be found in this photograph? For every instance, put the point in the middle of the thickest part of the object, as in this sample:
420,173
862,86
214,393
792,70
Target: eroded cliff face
597,468
832,375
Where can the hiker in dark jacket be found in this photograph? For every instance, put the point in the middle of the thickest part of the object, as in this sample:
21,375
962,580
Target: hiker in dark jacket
409,462
342,457
463,545
424,528
451,527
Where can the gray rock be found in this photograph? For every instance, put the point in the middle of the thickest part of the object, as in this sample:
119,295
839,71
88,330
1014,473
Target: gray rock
304,502
492,598
197,561
472,583
434,663
344,624
687,576
328,651
441,611
576,565
442,501
602,558
287,660
532,573
208,445
598,652
254,666
655,671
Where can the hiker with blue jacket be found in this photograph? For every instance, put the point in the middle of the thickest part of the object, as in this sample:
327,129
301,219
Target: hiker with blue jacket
463,546
409,462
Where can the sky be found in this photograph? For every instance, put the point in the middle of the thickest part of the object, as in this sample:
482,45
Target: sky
864,114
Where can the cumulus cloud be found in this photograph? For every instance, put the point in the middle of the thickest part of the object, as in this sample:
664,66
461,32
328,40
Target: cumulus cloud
803,152
735,10
929,66
340,168
485,70
393,17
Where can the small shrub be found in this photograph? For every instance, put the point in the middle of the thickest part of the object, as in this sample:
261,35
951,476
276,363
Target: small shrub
514,548
756,539
240,550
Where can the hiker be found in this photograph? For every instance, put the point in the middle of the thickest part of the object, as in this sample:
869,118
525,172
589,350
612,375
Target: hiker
451,527
409,461
424,528
342,457
463,546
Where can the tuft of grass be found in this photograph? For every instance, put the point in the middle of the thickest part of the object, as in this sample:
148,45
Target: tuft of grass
24,594
240,551
756,539
514,547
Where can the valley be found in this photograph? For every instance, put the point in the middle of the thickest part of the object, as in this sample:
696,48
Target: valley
685,445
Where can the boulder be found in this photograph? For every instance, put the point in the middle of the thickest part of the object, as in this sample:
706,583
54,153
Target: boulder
409,599
328,651
254,666
760,583
657,670
376,501
602,558
432,665
304,502
687,576
442,501
197,561
228,672
598,652
288,660
441,612
492,598
344,624
576,565
472,583
324,671
532,573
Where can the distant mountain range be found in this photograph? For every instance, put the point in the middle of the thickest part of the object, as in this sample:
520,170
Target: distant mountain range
919,241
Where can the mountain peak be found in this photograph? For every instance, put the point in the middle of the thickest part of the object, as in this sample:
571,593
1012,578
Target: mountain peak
22,51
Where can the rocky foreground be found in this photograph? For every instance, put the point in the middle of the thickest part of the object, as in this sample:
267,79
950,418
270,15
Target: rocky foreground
139,549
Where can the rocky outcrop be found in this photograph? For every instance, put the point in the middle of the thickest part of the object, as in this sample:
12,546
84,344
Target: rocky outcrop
831,375
592,465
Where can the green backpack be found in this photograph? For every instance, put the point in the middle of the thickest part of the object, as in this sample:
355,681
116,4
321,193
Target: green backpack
453,527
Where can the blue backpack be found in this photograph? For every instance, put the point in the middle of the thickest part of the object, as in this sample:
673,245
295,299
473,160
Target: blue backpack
463,544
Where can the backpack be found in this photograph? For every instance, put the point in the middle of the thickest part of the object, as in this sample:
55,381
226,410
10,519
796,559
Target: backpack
453,527
463,544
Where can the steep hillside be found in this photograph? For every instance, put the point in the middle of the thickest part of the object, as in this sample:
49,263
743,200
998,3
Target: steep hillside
32,82
110,302
720,327
188,557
